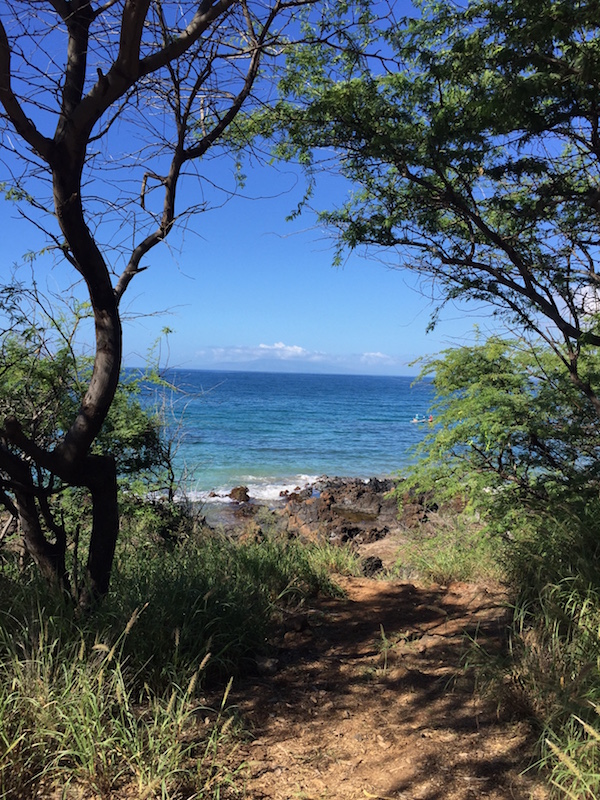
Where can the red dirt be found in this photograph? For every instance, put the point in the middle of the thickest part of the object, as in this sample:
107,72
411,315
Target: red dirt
369,697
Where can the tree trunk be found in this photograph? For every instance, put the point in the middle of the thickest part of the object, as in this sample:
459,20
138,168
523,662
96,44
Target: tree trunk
70,459
101,480
49,556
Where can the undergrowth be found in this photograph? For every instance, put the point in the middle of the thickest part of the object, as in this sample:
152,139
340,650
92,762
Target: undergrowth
550,670
115,702
452,547
554,670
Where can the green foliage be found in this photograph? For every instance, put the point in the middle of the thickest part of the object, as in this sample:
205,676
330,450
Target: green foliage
14,194
35,381
517,439
470,143
43,383
512,433
133,432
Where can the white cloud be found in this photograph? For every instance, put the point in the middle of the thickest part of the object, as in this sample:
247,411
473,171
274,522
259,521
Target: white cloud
293,357
281,350
377,358
278,352
588,299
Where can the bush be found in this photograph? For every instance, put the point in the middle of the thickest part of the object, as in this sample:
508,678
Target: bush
111,700
518,439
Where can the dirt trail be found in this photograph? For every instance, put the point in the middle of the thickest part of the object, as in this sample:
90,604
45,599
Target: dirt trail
369,698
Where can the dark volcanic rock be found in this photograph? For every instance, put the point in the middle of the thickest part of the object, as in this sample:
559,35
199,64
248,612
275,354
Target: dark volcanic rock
342,510
371,566
240,494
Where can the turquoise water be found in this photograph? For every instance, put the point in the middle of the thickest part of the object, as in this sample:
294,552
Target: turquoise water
274,431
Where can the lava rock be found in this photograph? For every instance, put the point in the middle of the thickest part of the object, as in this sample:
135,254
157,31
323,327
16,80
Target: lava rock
240,494
371,566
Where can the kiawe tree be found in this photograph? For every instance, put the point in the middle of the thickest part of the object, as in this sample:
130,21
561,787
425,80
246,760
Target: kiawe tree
471,142
106,108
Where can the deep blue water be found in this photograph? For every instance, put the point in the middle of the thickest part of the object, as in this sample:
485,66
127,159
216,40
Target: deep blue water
273,431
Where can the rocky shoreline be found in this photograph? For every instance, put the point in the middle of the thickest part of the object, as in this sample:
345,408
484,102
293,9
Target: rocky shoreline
342,510
333,509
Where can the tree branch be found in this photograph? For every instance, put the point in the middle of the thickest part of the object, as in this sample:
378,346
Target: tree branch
23,125
181,155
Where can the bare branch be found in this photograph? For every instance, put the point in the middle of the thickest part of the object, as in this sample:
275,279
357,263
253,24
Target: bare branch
23,125
181,44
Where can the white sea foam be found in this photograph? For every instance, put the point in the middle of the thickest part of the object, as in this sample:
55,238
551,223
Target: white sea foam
263,490
273,491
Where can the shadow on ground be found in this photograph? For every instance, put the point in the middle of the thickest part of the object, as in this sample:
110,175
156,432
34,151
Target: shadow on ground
369,696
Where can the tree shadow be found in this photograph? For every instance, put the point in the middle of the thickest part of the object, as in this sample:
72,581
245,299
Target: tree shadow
376,684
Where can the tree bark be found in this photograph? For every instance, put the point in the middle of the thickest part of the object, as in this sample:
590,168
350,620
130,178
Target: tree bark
49,556
101,480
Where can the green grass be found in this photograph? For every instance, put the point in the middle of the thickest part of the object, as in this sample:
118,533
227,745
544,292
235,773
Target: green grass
456,550
553,675
74,717
550,671
212,594
576,765
113,702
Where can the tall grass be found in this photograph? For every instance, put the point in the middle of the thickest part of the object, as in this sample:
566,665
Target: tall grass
554,668
212,593
576,766
112,703
551,670
452,548
73,718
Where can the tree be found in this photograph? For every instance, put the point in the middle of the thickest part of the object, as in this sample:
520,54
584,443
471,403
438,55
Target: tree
44,378
113,104
472,144
512,433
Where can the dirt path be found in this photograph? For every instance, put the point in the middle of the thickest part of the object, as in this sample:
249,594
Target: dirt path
368,698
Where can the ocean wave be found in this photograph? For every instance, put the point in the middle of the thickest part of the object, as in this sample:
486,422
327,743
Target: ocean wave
264,490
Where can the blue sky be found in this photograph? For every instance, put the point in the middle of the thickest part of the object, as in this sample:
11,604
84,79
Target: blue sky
242,288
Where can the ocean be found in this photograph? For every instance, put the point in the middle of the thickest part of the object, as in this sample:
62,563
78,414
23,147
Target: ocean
274,432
